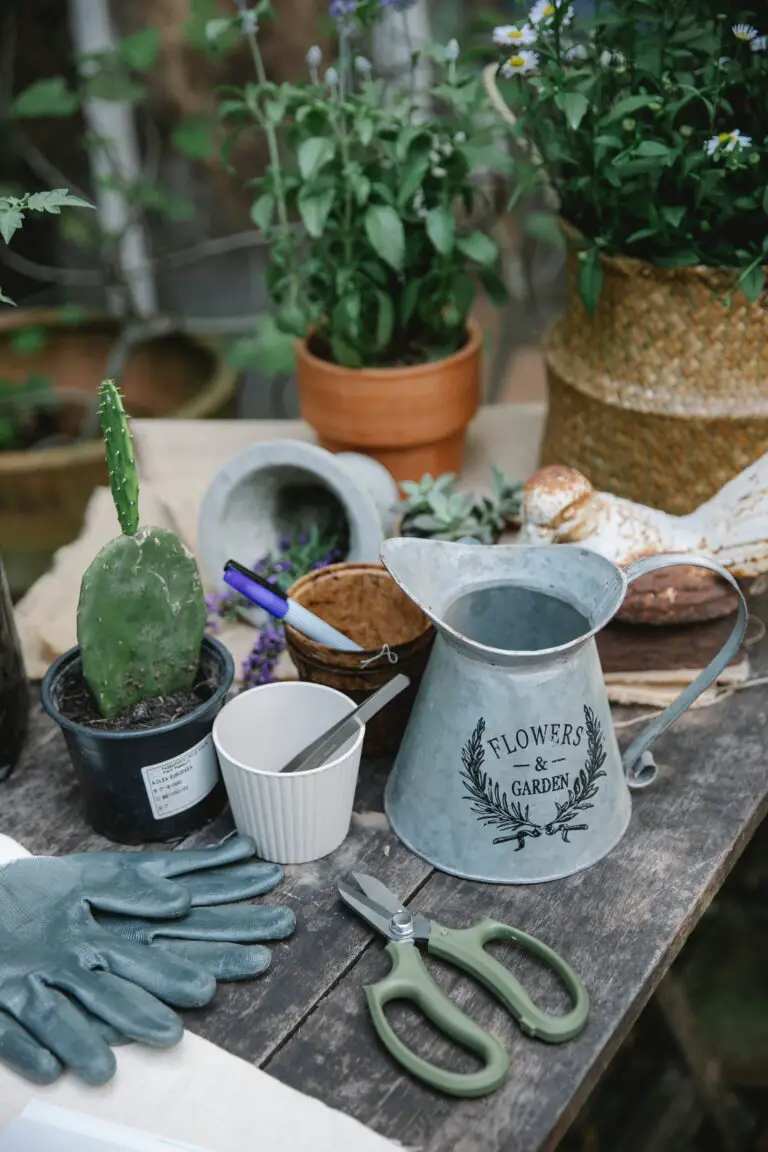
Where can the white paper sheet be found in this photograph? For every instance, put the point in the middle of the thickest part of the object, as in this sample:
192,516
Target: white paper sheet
46,1128
195,1094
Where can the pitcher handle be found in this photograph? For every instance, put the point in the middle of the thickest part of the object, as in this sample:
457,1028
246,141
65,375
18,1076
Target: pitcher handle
639,766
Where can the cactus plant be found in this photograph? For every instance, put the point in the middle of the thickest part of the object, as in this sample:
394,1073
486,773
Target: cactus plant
142,612
434,509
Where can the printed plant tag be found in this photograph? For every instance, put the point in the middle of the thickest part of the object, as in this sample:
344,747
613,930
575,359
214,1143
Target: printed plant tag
176,785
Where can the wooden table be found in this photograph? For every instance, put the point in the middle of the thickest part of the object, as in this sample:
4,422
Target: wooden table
621,924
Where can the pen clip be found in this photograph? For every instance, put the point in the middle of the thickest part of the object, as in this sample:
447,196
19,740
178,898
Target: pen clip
261,580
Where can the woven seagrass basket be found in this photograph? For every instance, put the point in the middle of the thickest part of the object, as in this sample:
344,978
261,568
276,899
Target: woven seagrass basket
662,395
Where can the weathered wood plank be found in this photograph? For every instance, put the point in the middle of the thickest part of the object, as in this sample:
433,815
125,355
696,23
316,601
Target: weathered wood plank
620,923
40,808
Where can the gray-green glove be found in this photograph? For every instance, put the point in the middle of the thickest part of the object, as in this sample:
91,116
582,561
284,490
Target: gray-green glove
155,939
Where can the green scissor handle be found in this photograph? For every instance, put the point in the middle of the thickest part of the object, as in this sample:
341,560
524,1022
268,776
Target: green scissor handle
464,948
409,980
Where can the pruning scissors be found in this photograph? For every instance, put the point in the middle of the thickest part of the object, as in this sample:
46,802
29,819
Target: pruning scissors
464,948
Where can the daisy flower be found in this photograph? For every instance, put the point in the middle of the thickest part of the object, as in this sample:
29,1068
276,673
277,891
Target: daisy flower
545,11
576,52
520,63
744,32
759,44
727,142
514,35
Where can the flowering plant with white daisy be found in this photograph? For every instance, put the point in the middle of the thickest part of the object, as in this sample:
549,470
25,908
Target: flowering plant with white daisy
650,123
359,199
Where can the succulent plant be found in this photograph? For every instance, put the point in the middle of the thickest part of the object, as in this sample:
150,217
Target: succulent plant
142,612
434,509
508,495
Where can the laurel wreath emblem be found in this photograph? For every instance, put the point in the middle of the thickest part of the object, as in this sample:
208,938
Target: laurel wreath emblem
511,820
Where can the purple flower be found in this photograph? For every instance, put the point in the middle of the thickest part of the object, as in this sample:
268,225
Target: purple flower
343,9
259,666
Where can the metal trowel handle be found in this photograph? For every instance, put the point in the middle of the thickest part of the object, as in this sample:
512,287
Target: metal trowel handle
322,749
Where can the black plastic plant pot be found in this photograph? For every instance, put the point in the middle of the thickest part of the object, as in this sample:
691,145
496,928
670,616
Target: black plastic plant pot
153,784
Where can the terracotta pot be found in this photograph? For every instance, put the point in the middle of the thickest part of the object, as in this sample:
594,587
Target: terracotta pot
660,397
413,420
363,601
43,494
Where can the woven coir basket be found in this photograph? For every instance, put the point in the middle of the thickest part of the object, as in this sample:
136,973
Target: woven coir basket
661,396
364,602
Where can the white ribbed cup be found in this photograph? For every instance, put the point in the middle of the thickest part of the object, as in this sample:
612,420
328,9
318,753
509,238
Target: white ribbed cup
303,816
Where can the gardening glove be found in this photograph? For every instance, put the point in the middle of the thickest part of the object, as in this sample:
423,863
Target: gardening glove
85,942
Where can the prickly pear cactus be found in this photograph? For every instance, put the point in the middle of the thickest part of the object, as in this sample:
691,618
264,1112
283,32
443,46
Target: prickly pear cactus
141,614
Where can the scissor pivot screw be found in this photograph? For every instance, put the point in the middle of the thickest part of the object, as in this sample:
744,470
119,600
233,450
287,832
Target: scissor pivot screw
401,925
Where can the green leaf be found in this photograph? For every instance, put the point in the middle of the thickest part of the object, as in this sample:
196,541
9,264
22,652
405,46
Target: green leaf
54,200
590,279
544,226
263,211
271,350
627,106
408,301
648,148
765,200
11,220
673,215
409,134
385,324
362,188
575,106
752,283
6,299
494,286
478,247
50,97
386,234
116,86
193,138
314,154
29,340
314,209
441,229
365,130
139,50
413,175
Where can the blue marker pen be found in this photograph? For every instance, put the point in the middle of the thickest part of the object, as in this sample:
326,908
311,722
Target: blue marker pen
259,591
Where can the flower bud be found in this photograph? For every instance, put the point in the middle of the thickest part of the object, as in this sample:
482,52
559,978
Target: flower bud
331,78
314,56
452,51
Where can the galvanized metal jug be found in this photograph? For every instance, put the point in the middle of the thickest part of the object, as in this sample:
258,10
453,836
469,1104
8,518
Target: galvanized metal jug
509,771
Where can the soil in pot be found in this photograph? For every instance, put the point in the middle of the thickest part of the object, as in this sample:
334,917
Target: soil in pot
77,704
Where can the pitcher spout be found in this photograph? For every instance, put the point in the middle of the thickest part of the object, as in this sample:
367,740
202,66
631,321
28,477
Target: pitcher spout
430,572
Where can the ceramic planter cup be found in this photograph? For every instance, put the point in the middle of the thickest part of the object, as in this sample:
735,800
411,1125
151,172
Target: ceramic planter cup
151,785
365,603
303,816
412,419
272,489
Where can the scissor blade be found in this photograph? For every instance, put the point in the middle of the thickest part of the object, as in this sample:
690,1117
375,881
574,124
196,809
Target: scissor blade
374,914
378,892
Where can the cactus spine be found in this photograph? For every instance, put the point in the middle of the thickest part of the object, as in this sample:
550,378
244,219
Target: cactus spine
141,614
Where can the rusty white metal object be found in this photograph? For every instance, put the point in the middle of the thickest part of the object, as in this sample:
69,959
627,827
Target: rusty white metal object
560,506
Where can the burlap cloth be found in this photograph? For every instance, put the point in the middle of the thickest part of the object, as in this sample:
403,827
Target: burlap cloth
177,461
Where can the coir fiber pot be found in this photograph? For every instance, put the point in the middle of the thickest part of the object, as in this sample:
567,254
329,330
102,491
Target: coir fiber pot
412,419
150,785
363,602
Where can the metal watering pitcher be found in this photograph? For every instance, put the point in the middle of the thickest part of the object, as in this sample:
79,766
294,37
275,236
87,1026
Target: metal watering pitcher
509,771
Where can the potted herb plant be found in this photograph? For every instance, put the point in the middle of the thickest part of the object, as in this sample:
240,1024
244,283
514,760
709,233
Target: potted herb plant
433,509
137,697
372,275
52,359
649,122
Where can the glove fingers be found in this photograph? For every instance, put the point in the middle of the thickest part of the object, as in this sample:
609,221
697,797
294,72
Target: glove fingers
140,892
163,975
231,923
186,860
225,961
20,1052
130,1009
228,885
53,1020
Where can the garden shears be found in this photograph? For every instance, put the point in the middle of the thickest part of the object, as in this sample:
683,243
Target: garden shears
463,948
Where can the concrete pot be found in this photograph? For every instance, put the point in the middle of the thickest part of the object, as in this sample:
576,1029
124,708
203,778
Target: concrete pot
266,491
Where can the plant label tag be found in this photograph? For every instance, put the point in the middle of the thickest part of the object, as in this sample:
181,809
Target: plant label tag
175,785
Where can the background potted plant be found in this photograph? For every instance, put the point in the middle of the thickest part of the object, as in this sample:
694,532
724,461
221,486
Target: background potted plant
650,123
136,699
52,359
371,270
433,509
